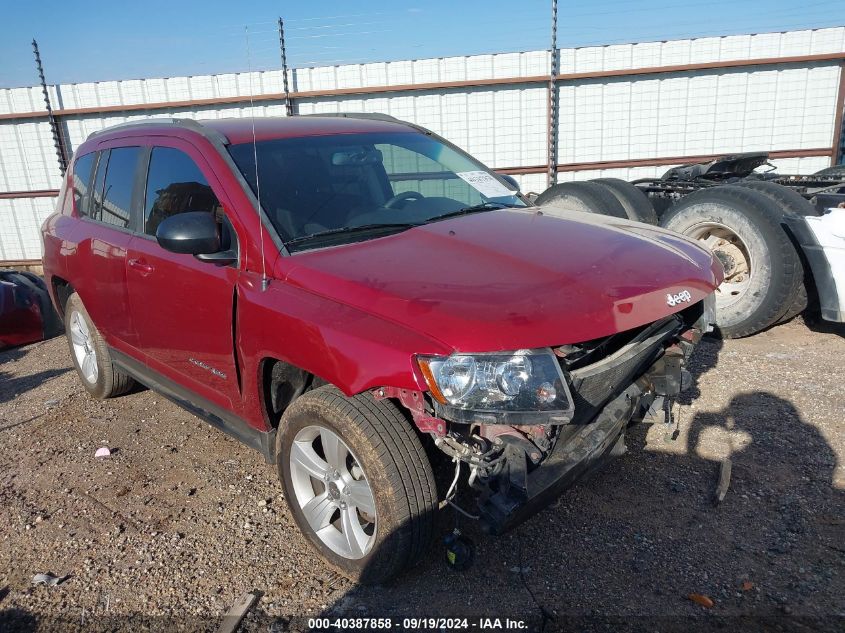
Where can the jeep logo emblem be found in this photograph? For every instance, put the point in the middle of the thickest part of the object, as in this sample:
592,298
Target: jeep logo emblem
682,297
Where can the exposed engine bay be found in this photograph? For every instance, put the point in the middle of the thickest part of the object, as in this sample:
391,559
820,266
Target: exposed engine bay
517,469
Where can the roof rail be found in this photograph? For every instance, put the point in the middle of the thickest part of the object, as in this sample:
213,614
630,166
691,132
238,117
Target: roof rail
189,124
378,116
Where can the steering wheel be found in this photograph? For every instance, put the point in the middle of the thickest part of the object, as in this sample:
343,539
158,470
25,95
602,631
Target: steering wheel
402,197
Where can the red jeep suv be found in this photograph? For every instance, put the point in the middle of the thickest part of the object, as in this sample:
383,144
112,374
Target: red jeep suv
342,293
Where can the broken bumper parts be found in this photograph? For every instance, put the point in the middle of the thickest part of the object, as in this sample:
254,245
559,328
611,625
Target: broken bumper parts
518,469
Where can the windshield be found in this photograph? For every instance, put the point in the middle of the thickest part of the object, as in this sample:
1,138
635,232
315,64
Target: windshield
342,188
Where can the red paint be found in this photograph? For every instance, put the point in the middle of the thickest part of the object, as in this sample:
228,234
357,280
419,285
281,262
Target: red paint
20,321
356,315
511,279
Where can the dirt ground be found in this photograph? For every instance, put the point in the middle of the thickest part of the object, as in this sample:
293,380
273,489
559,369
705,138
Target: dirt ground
181,519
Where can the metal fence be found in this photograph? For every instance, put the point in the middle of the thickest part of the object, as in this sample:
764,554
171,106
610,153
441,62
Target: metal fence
627,111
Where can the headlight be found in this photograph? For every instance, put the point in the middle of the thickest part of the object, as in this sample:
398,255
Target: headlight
456,376
525,381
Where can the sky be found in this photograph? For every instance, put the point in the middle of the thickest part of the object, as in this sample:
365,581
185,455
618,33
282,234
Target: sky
88,40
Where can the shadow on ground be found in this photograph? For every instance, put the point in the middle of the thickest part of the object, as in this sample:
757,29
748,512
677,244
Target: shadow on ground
11,386
14,619
625,549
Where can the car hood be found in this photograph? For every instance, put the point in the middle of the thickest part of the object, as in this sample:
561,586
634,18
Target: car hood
513,279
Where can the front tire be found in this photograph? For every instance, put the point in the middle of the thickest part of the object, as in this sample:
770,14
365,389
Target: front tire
91,355
357,481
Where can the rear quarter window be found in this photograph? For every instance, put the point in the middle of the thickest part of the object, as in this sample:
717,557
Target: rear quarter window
81,183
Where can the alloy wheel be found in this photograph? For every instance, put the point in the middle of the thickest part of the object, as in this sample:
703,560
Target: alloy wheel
83,347
333,492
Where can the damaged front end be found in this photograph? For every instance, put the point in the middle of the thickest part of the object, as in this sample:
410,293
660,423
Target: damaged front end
530,423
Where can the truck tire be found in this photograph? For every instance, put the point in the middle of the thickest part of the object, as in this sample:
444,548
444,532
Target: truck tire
762,269
636,204
835,170
358,482
789,201
586,197
90,354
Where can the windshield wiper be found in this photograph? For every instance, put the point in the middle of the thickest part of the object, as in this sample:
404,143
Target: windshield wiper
484,206
361,228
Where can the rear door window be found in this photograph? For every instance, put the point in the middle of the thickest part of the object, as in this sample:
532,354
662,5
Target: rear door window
112,198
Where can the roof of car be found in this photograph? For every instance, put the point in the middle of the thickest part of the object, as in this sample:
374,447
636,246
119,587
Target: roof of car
241,130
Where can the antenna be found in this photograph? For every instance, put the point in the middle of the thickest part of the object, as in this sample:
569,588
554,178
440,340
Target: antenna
264,281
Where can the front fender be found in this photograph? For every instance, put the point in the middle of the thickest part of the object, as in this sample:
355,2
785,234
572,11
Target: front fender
343,345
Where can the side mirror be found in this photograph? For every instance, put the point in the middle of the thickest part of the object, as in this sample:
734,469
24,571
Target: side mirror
190,233
511,181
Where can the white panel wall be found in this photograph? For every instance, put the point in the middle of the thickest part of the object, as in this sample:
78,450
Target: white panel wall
27,156
689,114
500,126
642,116
20,223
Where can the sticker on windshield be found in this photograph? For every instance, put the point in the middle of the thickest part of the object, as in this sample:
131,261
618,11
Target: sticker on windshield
486,184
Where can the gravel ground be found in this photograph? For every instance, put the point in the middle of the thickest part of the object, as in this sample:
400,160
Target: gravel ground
181,520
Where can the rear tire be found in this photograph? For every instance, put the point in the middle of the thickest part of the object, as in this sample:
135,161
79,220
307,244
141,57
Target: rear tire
388,457
763,270
586,197
636,204
835,170
789,201
91,355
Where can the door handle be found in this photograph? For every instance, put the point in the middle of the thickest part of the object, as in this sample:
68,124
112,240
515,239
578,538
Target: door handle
141,266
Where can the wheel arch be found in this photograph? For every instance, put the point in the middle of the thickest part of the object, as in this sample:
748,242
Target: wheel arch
316,340
817,269
280,383
61,290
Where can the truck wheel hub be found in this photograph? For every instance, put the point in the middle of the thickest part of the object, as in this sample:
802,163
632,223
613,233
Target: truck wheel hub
734,256
728,262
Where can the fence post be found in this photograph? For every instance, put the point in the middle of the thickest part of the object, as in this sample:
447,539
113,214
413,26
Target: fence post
837,153
551,176
288,102
61,154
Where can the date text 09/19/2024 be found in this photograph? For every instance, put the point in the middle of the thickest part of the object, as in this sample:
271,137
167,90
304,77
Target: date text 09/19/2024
326,625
